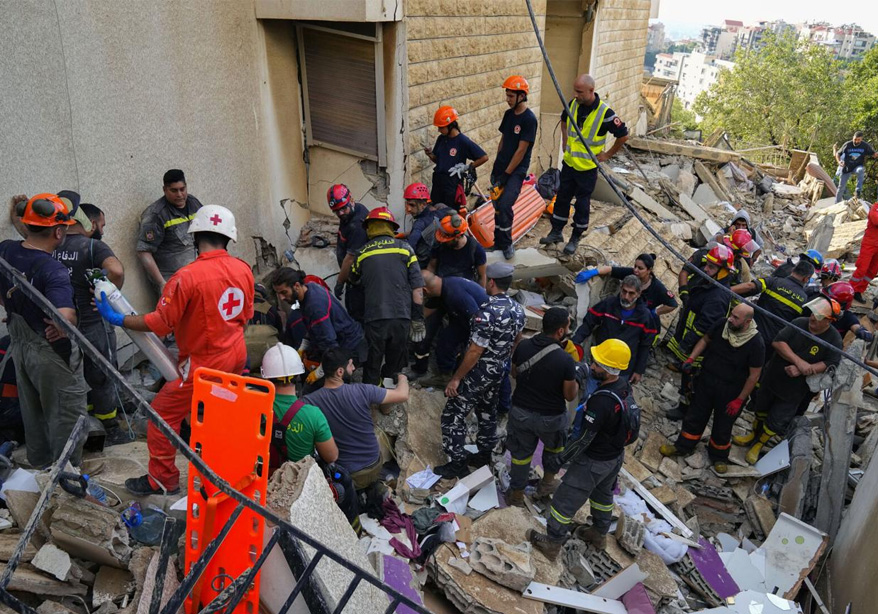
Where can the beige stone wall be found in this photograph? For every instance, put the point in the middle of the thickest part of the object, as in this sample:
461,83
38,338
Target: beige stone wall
617,54
459,53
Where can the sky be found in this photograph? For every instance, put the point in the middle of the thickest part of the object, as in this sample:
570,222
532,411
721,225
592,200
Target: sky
686,17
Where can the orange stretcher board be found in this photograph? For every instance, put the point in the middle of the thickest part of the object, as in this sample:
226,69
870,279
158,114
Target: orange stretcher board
231,431
528,208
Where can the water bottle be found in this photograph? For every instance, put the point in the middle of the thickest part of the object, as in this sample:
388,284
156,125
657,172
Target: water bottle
337,486
149,343
94,489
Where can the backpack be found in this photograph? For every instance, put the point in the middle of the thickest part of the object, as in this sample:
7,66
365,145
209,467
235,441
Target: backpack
548,183
278,449
630,415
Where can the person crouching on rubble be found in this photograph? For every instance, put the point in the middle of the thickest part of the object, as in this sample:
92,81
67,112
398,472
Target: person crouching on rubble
206,304
595,457
704,304
734,353
546,379
783,383
658,299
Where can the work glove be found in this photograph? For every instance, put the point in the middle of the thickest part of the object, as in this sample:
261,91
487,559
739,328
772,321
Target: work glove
582,373
315,375
862,333
418,331
733,407
688,366
107,312
584,276
502,180
339,289
571,349
458,169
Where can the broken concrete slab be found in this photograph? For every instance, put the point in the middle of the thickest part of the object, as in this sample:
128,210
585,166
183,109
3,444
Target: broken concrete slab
658,577
506,564
665,494
92,532
679,149
530,263
686,182
53,561
671,468
21,504
111,584
704,196
299,492
649,453
29,580
8,544
52,607
125,460
148,588
461,565
646,201
630,533
760,512
636,468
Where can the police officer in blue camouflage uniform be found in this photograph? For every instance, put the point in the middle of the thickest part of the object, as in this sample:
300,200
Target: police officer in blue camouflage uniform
494,331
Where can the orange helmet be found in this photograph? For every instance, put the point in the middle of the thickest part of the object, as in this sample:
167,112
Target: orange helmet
722,256
46,210
450,227
516,83
444,115
416,191
381,214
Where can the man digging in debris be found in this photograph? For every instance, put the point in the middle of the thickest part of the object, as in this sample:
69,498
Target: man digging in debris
545,378
206,304
475,385
733,354
783,383
595,457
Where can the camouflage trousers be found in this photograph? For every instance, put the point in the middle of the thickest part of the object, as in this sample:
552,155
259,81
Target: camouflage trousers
479,391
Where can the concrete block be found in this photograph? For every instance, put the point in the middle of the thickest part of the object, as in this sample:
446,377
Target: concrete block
54,561
649,454
671,468
91,532
681,230
111,585
29,580
21,504
299,492
630,533
671,171
506,564
706,232
704,195
8,544
53,607
530,263
650,204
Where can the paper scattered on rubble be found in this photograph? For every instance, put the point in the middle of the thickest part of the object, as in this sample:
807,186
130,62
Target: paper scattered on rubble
423,479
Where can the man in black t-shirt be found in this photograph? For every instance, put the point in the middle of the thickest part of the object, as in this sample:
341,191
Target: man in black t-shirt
545,380
783,383
733,354
852,158
518,133
82,253
595,456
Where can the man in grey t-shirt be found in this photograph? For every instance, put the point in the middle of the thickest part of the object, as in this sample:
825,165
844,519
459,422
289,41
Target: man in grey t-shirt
348,410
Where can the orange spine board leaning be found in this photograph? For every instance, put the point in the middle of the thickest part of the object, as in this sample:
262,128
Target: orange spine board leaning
528,208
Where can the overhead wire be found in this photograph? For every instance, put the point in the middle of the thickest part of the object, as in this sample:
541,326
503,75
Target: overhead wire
640,218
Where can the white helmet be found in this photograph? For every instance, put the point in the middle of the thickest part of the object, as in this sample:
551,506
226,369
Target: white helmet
214,218
281,361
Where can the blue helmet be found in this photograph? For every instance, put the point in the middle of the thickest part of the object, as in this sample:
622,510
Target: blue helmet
814,257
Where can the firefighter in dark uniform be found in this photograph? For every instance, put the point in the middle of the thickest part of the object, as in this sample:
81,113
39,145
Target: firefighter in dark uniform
622,317
387,270
351,237
704,304
782,296
579,172
783,384
733,354
475,385
595,457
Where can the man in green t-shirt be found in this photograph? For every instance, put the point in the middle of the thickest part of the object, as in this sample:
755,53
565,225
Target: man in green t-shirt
308,429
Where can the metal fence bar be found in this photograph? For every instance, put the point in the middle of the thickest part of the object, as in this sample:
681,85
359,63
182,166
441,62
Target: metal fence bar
301,582
198,566
43,501
251,573
392,607
219,602
222,485
347,594
168,532
10,600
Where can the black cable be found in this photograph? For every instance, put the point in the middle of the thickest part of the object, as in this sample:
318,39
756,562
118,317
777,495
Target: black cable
807,334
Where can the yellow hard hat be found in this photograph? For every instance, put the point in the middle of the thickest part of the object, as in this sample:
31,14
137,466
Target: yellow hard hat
612,354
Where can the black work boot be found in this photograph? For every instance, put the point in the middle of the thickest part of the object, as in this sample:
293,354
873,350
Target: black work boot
572,244
548,545
479,459
677,413
509,252
452,469
553,237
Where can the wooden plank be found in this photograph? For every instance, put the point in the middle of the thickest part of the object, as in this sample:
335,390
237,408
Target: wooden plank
707,177
678,149
657,505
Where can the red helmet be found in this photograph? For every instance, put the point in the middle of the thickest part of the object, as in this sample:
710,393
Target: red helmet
840,291
381,214
444,116
741,241
339,197
416,191
46,210
831,269
722,256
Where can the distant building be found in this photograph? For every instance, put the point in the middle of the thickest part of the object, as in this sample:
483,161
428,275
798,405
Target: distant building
847,42
718,41
697,73
668,65
750,37
655,38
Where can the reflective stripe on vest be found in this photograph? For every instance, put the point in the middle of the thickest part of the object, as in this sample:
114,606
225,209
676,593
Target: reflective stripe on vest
575,154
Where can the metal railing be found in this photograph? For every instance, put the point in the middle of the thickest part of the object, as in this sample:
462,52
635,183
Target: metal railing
288,537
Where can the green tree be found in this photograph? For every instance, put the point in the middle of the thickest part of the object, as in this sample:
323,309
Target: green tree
861,96
787,92
682,119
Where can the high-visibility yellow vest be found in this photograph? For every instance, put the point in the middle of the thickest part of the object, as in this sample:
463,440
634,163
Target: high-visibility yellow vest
575,154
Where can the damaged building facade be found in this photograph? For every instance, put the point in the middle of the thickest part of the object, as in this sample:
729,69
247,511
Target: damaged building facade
264,101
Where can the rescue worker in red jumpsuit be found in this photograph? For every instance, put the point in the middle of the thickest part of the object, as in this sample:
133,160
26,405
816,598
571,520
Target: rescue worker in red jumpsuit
206,305
867,261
